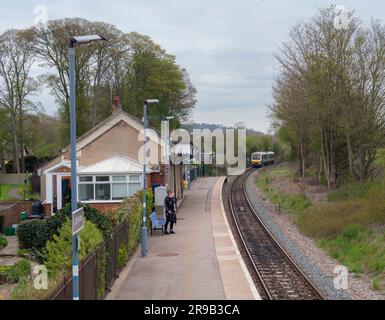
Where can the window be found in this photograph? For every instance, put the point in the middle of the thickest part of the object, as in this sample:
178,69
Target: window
135,178
86,192
135,184
85,179
103,179
109,188
119,187
134,188
103,192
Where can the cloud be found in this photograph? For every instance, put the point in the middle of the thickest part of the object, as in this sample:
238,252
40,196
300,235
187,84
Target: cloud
226,46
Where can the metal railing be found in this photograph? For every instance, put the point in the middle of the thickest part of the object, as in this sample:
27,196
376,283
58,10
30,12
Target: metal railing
99,271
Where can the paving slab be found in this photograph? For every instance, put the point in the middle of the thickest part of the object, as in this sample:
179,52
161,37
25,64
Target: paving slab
236,280
182,266
200,262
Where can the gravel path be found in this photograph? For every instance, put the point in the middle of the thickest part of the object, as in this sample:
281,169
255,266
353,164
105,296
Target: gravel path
317,265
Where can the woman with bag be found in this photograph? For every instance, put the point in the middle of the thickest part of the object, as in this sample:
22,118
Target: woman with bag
169,205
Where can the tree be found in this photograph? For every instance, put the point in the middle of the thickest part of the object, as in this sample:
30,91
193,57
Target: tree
330,95
16,86
131,66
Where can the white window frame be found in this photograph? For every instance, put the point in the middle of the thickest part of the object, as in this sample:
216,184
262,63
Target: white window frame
110,182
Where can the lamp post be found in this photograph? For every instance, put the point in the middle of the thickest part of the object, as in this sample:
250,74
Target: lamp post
166,122
144,224
72,81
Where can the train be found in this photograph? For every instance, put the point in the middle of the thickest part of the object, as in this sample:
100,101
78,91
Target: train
261,159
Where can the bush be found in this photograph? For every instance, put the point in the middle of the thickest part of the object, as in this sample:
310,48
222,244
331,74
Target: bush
58,252
135,223
19,270
25,289
360,249
3,242
35,234
92,215
131,209
122,256
27,233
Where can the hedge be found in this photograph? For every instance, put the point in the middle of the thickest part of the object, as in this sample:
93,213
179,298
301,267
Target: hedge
35,234
19,270
27,233
3,242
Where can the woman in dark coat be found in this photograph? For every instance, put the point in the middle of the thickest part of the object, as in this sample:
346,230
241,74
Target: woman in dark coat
169,205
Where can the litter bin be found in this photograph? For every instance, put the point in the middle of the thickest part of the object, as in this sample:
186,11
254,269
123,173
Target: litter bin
23,216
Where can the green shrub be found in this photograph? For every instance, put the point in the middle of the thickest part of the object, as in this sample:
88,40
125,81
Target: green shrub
298,202
101,264
135,226
92,215
355,232
25,289
122,257
131,209
36,234
58,252
3,242
354,190
27,233
361,250
19,270
23,252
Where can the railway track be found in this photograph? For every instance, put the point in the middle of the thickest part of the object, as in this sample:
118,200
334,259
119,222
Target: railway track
277,273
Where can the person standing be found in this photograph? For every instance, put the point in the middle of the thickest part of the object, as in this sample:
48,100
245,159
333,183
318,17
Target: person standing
169,205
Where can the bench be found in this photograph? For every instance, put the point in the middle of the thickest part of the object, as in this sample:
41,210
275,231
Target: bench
157,224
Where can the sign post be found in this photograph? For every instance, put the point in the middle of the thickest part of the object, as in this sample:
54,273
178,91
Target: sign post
77,221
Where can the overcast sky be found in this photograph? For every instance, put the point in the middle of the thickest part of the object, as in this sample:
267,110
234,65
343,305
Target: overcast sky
226,46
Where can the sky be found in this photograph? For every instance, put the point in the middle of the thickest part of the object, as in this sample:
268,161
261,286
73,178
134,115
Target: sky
226,46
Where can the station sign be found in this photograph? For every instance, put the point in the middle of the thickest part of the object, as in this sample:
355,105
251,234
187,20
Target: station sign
77,221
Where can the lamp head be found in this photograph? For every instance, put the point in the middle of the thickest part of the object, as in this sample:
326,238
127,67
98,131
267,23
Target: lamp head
85,39
151,101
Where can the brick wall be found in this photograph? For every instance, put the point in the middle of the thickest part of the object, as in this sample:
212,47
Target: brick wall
12,215
105,207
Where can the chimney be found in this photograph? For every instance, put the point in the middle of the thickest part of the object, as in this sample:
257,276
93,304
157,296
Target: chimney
116,105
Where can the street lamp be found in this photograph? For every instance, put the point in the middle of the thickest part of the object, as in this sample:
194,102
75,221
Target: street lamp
144,225
166,121
72,81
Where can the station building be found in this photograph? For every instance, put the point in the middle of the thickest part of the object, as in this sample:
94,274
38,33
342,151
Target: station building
108,164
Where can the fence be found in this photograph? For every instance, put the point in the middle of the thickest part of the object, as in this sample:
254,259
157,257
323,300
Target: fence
99,272
15,179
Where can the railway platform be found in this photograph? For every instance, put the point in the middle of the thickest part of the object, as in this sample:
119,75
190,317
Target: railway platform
200,262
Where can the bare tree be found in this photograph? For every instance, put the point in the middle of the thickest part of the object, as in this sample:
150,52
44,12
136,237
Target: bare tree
16,60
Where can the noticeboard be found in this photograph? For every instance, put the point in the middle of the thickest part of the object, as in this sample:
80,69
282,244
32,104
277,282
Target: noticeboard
77,221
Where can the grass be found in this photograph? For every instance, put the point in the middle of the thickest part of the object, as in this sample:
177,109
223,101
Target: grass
361,250
291,204
349,226
356,190
5,190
